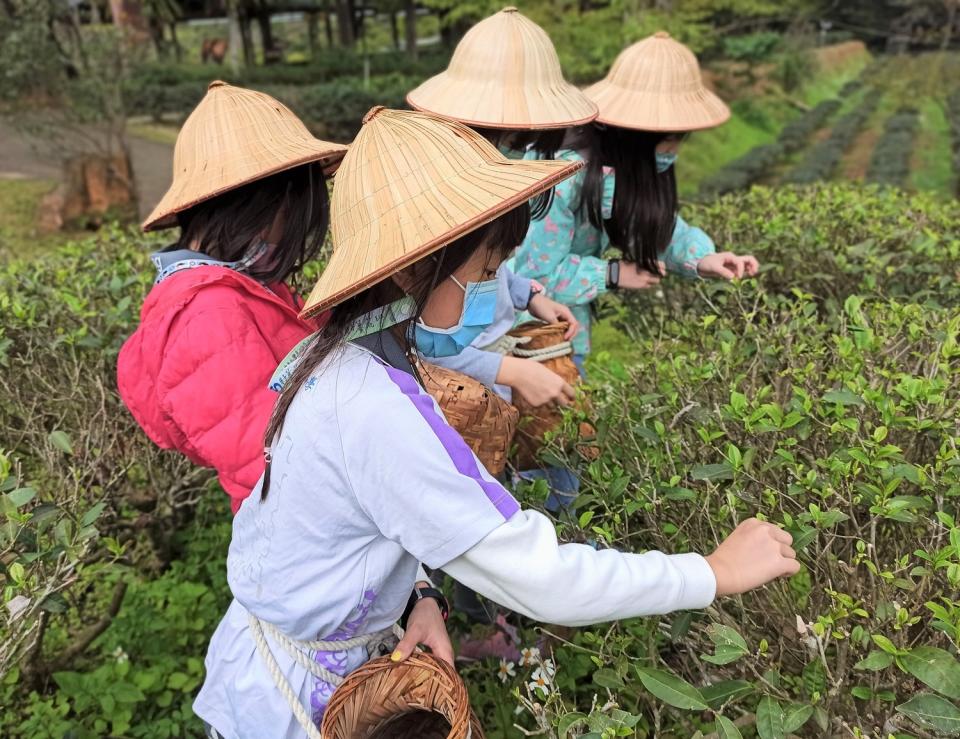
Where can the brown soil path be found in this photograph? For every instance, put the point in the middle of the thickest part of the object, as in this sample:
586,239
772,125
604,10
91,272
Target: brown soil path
23,158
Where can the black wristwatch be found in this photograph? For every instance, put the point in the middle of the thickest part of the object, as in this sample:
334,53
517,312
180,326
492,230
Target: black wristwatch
613,274
419,594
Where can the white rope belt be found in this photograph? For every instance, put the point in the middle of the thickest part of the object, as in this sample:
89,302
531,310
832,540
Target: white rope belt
508,344
298,650
548,352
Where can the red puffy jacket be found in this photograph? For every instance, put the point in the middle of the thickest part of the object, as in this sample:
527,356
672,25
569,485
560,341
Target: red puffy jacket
195,372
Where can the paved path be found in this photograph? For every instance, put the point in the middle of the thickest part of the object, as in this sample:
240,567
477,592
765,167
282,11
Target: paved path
22,158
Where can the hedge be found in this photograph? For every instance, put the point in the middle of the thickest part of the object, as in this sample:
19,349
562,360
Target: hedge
890,163
823,396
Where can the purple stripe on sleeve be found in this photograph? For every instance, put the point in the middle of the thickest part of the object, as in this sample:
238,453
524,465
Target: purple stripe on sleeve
460,454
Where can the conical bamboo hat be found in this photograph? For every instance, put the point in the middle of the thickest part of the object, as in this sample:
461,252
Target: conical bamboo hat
233,137
410,184
505,73
655,85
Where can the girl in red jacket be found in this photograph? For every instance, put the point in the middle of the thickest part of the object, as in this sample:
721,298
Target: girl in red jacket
250,197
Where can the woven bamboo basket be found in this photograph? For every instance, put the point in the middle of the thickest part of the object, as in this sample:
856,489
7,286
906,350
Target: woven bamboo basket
485,420
536,422
419,698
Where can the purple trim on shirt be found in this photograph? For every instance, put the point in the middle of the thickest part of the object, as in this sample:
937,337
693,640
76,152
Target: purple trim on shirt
337,662
460,454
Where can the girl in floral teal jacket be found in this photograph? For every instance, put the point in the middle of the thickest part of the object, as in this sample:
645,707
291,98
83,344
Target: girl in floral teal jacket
627,194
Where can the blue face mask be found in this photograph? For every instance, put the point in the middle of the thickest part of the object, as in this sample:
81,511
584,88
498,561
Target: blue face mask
665,160
479,308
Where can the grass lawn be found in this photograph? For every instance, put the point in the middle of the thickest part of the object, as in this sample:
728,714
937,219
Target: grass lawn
932,158
18,219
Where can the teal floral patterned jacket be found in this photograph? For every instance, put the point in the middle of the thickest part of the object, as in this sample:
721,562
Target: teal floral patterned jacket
563,251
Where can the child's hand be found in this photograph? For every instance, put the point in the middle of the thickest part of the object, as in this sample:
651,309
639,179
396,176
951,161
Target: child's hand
425,626
551,311
728,266
633,277
534,382
754,554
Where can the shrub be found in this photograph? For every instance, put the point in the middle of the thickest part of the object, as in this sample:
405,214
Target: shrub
335,110
953,113
744,171
890,163
824,400
821,159
84,496
822,395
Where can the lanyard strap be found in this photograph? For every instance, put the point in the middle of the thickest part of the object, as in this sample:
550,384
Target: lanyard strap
251,257
377,320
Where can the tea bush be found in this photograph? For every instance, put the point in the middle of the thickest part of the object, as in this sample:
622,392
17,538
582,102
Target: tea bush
331,109
953,113
890,164
160,89
87,503
822,396
744,171
821,160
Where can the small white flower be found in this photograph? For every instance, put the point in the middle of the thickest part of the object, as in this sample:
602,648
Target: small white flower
506,671
549,669
529,656
120,655
539,680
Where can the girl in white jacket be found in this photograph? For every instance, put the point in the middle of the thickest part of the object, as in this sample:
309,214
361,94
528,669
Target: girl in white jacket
365,480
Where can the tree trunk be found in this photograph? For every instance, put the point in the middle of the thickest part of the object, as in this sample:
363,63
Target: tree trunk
177,48
9,8
246,34
411,28
345,23
328,28
394,30
266,35
235,42
128,14
312,33
156,35
952,6
95,18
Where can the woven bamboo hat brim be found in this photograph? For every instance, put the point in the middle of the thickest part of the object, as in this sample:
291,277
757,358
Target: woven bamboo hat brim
505,73
410,184
656,85
234,137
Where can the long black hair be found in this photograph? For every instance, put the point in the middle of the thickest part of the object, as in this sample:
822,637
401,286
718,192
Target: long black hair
226,226
546,142
645,201
500,236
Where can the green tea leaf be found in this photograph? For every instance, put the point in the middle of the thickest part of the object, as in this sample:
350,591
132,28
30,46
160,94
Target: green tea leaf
770,719
680,625
61,441
886,645
21,496
727,690
607,678
876,660
568,722
726,729
932,711
672,689
934,667
724,636
842,397
796,716
712,472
